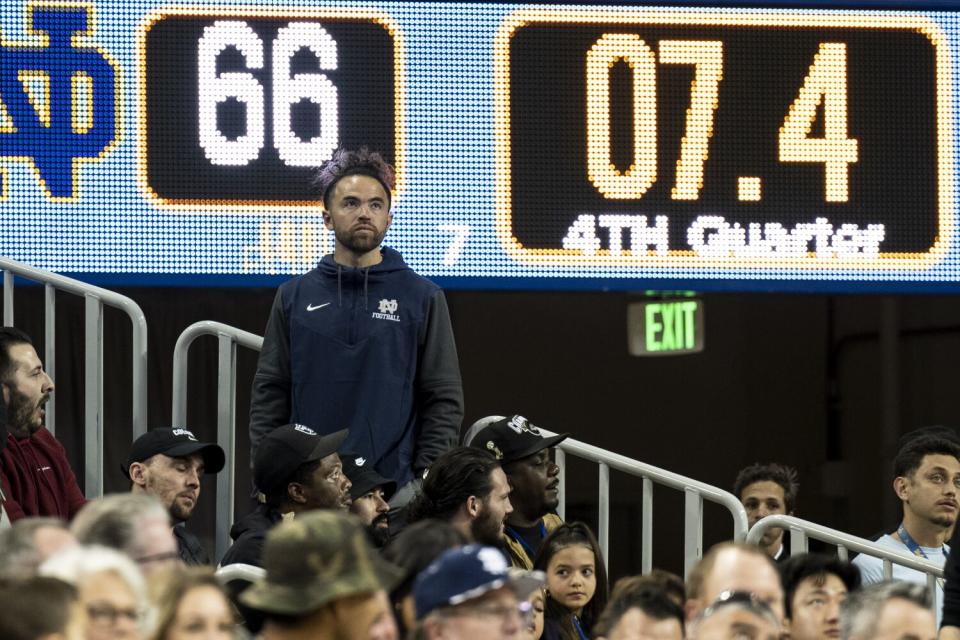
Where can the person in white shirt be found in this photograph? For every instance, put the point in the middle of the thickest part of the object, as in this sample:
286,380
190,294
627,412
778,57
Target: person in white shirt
927,481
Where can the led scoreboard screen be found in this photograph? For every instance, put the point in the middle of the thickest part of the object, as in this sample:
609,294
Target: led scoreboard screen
795,147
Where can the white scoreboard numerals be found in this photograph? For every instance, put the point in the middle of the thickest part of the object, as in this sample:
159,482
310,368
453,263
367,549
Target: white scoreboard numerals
287,91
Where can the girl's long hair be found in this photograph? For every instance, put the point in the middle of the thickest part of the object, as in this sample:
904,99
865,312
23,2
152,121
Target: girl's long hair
568,535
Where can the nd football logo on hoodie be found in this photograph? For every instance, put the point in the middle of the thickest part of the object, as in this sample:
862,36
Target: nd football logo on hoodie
388,310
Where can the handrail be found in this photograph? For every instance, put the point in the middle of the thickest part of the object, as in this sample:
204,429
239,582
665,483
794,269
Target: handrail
227,338
801,530
694,491
245,572
95,298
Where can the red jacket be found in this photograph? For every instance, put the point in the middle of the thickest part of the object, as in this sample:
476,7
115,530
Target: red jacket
37,479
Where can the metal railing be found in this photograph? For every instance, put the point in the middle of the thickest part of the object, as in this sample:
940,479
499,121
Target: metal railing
95,298
245,572
228,338
695,493
802,530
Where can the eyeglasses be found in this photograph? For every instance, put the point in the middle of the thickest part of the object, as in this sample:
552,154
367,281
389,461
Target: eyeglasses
105,614
745,599
522,611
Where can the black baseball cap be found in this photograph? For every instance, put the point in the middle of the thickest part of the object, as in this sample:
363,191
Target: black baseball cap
513,438
365,478
175,443
285,448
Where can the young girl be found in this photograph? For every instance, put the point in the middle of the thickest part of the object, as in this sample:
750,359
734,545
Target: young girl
576,581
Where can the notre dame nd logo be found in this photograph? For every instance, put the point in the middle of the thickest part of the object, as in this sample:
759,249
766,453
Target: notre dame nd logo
58,102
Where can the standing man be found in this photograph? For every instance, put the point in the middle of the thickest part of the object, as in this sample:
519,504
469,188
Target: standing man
37,478
362,342
927,481
168,464
764,490
534,481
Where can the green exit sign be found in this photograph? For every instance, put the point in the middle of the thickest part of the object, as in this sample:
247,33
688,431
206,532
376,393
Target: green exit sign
665,327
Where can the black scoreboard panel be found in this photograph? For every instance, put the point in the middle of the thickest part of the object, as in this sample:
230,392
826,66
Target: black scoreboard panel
708,147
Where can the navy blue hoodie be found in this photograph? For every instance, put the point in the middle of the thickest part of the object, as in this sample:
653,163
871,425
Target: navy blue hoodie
368,349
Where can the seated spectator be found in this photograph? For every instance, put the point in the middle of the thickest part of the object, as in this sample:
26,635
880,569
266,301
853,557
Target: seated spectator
525,456
669,583
639,610
371,494
538,604
731,566
736,614
926,479
297,471
40,608
472,592
765,490
29,542
4,516
467,488
888,611
412,550
324,581
136,525
168,464
36,476
110,589
190,603
576,578
814,586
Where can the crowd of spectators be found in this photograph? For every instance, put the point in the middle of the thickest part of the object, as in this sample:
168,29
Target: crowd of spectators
374,525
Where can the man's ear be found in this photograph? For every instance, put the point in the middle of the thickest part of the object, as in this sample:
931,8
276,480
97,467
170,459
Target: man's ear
900,485
138,474
326,219
473,506
691,609
296,493
6,393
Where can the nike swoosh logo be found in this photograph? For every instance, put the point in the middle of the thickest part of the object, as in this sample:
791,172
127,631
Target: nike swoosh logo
311,307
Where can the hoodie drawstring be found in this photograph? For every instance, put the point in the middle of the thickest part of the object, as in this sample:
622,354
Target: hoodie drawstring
339,286
366,276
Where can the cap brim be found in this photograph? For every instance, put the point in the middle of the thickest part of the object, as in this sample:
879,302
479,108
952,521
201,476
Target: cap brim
213,457
544,443
327,445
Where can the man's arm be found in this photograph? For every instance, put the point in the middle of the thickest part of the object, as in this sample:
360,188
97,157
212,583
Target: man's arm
439,390
270,396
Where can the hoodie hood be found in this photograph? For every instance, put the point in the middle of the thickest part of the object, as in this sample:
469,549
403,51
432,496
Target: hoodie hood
361,277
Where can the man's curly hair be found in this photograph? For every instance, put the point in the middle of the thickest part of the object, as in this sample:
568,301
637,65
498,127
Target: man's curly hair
362,162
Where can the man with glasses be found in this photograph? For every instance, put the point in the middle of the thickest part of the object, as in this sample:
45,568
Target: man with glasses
297,470
736,615
731,566
472,592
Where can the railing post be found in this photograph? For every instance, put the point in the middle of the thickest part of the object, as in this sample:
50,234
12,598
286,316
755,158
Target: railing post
140,392
226,422
692,530
646,528
561,459
7,298
93,396
50,350
798,541
603,517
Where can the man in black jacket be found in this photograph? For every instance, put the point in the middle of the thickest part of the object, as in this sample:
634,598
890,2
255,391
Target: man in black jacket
297,470
362,342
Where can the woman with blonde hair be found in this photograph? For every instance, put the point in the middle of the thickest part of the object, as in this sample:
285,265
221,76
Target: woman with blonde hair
190,603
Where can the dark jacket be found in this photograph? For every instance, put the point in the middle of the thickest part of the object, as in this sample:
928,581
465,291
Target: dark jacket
37,478
248,535
189,546
367,349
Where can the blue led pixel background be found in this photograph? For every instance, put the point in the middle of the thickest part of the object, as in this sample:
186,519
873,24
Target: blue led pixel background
110,170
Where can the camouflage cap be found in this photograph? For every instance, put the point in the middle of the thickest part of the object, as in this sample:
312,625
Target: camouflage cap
318,557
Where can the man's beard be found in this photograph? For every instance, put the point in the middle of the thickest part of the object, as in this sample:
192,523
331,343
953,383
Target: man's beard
20,414
486,529
379,535
348,239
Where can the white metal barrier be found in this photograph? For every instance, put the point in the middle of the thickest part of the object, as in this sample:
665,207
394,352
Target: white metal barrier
802,530
695,492
228,338
95,298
